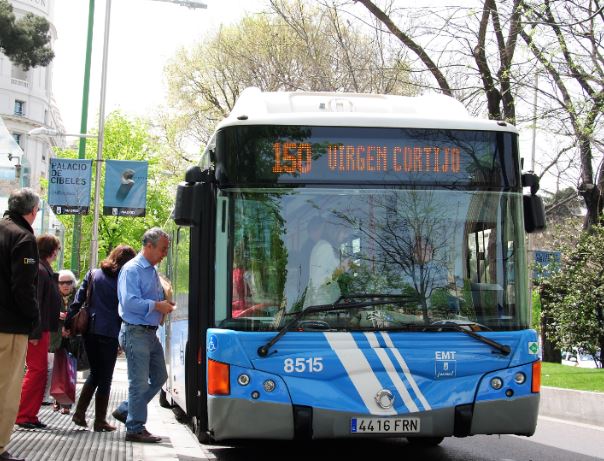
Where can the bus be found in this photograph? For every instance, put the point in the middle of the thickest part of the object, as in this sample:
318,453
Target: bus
353,265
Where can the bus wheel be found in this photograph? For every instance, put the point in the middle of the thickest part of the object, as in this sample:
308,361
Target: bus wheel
163,400
424,441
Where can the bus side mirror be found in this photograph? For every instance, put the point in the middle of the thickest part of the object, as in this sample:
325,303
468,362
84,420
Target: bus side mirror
187,208
534,211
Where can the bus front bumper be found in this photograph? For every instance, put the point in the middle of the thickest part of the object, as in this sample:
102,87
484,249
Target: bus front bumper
231,419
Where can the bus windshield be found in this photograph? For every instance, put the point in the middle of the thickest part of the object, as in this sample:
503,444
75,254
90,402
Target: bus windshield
446,255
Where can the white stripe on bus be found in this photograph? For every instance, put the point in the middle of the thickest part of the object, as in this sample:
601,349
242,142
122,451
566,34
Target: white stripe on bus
408,374
394,376
358,369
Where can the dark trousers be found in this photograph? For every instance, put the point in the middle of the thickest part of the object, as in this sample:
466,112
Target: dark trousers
102,354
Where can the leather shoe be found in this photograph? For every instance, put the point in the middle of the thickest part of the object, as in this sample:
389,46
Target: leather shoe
143,437
27,426
121,417
36,425
6,456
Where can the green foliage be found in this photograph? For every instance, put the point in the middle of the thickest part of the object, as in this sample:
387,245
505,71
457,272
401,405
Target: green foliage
25,41
574,296
536,308
583,379
127,139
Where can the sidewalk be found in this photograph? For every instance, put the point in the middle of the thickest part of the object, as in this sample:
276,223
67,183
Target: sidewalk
64,441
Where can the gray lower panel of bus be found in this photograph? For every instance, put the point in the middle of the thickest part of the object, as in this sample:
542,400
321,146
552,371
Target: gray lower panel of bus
498,416
243,419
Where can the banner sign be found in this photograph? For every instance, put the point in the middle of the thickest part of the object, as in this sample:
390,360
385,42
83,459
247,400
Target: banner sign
546,262
69,185
125,188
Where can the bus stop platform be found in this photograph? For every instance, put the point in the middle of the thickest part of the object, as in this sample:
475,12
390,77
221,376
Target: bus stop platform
62,440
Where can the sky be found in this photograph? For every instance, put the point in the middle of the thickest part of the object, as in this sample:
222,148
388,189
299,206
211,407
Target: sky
143,36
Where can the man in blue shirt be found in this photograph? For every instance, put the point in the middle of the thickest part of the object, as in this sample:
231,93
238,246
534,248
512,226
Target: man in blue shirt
142,304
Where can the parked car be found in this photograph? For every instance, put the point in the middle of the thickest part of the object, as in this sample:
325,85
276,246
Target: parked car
578,358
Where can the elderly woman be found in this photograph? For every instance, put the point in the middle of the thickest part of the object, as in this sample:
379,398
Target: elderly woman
67,285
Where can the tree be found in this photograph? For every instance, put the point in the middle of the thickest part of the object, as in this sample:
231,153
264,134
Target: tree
474,55
296,46
477,51
25,41
127,139
574,297
565,39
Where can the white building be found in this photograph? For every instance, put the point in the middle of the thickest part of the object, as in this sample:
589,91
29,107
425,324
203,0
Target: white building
26,102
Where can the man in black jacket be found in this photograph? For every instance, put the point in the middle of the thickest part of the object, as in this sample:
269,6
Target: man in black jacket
19,313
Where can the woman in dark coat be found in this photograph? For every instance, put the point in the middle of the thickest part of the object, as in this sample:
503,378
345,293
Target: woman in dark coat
49,302
101,338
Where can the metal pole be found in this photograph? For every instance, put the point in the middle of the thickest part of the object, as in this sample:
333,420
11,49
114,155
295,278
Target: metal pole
531,237
77,219
94,243
534,123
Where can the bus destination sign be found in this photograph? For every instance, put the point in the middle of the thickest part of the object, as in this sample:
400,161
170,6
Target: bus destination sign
331,155
297,158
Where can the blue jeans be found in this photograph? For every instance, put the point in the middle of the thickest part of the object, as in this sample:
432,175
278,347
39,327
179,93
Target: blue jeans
146,373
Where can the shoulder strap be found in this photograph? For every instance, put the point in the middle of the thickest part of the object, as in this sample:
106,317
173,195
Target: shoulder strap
89,287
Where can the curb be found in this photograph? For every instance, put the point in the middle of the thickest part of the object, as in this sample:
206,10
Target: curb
572,405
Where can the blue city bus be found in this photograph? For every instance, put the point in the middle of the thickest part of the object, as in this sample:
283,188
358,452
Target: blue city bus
350,265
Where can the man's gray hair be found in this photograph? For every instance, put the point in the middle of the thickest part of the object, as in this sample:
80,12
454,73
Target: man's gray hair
23,201
153,235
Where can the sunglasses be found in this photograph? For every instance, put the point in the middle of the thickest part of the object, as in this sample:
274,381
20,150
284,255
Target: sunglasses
66,282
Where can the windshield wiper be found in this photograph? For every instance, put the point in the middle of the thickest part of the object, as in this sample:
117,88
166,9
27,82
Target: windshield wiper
343,302
503,348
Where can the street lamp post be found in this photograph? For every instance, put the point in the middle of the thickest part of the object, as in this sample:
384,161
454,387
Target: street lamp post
94,242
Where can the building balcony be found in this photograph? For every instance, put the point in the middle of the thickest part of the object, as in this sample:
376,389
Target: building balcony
19,82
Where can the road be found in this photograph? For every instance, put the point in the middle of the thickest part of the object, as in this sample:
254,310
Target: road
554,440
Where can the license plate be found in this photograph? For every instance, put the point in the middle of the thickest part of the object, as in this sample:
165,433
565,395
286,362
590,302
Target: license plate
384,425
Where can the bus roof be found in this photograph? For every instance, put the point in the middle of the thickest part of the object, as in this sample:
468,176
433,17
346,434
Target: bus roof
255,107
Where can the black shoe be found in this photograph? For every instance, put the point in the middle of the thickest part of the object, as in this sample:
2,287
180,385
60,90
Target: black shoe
143,437
40,425
121,417
27,425
6,456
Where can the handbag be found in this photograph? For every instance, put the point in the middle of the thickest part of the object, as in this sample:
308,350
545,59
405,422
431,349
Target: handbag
63,378
79,322
75,346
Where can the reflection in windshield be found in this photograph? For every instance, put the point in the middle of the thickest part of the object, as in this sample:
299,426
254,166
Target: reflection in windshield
454,255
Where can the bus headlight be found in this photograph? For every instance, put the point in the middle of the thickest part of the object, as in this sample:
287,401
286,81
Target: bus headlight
243,379
520,378
269,385
496,383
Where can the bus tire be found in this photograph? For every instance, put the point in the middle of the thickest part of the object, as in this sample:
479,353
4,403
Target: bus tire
200,432
425,441
163,400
